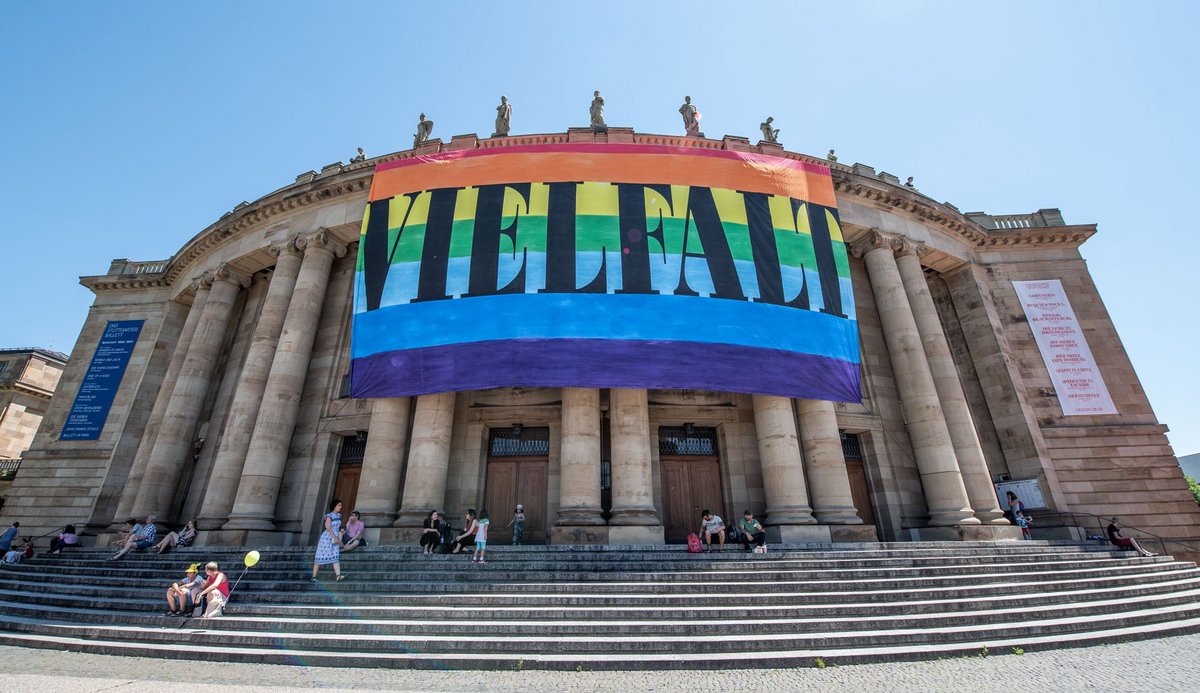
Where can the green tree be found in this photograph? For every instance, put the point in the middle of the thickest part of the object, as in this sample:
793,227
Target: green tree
1195,486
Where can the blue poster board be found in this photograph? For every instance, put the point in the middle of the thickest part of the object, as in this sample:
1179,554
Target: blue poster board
99,387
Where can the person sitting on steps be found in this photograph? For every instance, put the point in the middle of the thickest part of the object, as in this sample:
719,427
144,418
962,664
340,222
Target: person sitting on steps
182,539
1118,539
140,539
430,533
183,596
712,527
352,535
752,532
467,538
66,539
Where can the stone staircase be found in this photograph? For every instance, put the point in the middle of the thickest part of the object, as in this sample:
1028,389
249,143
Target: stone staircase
558,607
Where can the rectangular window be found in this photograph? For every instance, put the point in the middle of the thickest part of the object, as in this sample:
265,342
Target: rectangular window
519,441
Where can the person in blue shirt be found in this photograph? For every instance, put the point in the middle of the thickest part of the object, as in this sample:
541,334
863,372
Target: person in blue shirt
141,539
9,536
183,595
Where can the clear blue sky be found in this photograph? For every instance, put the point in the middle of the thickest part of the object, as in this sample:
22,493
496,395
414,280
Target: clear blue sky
126,128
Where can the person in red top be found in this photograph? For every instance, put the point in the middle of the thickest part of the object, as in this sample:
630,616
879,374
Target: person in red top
216,590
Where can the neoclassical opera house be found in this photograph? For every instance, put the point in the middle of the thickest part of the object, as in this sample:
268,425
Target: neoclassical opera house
448,328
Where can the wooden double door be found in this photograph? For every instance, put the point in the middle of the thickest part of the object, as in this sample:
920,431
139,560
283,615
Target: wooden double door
689,485
512,480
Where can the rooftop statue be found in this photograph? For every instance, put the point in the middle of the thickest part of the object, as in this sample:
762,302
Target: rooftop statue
691,118
769,134
424,127
359,157
831,156
597,112
503,117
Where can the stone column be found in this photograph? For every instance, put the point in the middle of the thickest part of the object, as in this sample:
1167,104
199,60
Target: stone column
945,495
782,470
173,445
428,459
379,485
258,490
243,413
142,458
634,517
961,425
828,483
579,468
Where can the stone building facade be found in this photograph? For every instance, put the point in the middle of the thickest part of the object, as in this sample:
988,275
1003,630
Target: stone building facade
28,378
233,408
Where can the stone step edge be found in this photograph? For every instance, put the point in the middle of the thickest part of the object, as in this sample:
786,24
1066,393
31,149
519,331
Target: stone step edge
1056,568
616,662
1115,606
1064,596
1123,578
762,639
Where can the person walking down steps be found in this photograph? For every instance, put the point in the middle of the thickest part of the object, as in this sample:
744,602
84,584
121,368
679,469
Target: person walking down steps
329,551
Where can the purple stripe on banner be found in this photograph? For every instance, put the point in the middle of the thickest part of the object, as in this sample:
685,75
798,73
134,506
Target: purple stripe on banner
604,363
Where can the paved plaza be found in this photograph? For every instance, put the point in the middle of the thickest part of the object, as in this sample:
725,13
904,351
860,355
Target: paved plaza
1154,665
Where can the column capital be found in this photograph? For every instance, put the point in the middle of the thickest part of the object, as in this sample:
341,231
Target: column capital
904,246
224,272
874,240
289,247
324,240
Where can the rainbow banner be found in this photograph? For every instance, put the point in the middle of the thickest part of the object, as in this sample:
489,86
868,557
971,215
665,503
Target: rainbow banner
594,265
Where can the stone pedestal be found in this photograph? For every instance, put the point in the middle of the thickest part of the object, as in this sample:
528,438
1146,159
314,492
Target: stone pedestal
852,533
966,533
583,535
636,535
798,534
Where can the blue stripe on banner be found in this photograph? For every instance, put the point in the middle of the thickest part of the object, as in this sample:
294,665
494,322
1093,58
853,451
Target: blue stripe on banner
604,316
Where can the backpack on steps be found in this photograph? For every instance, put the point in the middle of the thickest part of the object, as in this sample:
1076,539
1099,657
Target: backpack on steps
694,545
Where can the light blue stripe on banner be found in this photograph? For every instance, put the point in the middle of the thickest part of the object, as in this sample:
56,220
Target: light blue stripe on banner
604,316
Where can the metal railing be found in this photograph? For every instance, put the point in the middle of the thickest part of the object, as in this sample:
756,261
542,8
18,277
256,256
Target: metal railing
1102,522
9,467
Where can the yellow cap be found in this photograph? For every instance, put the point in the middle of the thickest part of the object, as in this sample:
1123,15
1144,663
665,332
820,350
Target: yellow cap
193,568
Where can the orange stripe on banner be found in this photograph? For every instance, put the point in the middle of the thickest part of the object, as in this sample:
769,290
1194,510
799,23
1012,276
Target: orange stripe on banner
551,167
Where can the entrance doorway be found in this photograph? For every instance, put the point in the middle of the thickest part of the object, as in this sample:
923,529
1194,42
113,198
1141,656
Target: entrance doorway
852,452
518,468
349,471
691,478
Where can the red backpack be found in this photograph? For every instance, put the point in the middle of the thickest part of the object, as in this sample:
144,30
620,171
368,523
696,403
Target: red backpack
694,545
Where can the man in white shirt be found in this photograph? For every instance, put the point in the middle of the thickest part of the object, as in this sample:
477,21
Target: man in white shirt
713,527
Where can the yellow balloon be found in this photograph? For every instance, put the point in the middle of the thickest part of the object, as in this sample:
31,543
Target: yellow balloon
251,559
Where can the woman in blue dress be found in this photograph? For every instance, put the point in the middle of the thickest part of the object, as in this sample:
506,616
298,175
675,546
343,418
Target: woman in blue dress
329,551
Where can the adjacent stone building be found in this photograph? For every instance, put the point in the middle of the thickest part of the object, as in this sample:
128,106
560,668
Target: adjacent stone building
233,408
28,378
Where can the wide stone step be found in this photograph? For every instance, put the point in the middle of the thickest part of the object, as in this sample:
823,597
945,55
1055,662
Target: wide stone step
552,624
599,662
716,640
274,578
349,592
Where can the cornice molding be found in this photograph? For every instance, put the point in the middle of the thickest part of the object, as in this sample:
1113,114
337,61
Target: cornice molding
341,180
